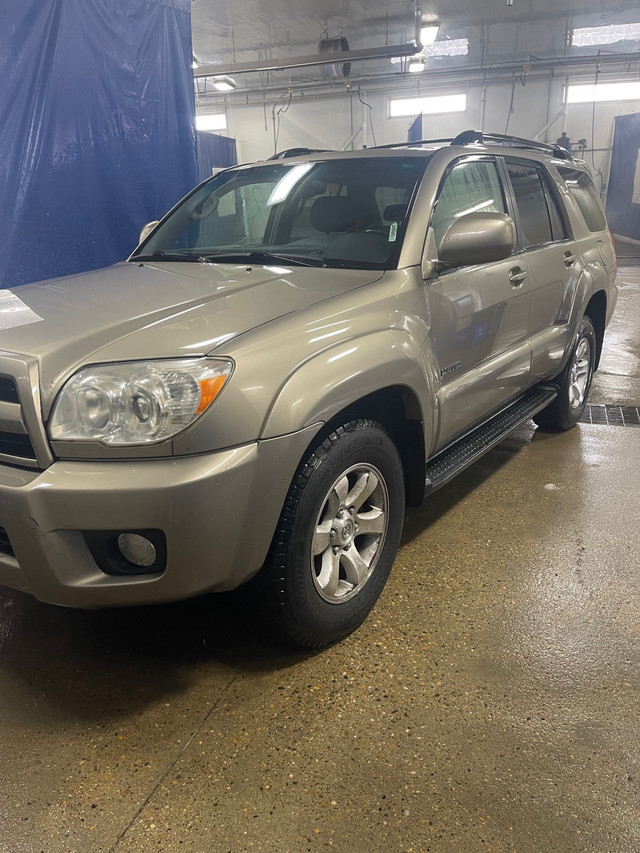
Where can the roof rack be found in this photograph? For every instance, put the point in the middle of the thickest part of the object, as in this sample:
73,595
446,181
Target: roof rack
469,137
296,152
409,144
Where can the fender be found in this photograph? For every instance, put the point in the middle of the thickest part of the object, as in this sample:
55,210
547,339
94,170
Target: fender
334,379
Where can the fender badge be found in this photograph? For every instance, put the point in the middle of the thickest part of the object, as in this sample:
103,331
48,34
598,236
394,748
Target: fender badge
451,368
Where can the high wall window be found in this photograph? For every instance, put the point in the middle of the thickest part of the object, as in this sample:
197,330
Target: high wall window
211,121
611,34
456,103
579,93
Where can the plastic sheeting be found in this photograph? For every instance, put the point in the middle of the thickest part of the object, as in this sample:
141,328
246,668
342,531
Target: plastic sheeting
214,152
96,129
623,197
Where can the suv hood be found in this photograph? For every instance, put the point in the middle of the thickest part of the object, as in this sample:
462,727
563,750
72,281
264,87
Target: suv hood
141,310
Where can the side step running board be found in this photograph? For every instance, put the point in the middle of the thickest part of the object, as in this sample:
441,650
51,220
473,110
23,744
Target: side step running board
464,452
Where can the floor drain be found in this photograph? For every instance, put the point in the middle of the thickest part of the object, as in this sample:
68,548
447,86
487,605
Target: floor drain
611,415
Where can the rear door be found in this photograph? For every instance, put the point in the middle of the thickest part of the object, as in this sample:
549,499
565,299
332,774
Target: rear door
551,256
479,314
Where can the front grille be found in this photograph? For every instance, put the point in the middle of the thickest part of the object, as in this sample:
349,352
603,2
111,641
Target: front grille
8,390
14,444
23,441
5,545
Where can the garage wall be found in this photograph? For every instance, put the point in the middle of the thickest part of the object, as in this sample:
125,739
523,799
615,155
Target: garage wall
96,129
328,121
510,53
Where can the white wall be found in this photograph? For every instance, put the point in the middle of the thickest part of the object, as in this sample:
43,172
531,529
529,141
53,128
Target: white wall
328,121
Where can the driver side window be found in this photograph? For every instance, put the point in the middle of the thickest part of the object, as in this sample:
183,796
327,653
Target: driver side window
469,187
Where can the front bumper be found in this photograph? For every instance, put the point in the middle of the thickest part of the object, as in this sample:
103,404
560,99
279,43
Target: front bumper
218,512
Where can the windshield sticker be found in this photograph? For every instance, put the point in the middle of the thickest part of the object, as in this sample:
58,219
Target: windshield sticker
393,232
14,312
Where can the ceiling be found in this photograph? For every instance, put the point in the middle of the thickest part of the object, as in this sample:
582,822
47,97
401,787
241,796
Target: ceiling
233,32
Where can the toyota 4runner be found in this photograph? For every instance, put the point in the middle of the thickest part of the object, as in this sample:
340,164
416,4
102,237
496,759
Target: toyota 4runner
296,351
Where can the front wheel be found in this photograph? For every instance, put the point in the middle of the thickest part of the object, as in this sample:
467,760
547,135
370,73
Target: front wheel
337,537
574,383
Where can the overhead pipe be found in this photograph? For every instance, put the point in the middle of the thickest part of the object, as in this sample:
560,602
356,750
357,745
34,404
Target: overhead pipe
235,68
417,21
470,73
385,52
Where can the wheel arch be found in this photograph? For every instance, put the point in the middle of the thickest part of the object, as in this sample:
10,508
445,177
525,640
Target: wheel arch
397,409
596,310
393,389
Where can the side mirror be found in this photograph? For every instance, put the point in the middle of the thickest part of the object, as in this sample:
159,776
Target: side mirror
478,238
148,228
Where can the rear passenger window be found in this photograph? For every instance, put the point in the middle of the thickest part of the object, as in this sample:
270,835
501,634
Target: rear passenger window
585,195
539,220
469,187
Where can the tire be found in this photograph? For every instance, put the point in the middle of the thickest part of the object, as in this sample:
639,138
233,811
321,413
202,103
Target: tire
574,383
324,573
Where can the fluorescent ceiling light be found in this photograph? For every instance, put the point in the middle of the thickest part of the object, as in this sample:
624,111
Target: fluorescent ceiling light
447,47
428,34
586,36
224,84
211,121
456,103
580,93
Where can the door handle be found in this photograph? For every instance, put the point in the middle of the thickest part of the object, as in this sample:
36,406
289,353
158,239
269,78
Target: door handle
517,276
569,258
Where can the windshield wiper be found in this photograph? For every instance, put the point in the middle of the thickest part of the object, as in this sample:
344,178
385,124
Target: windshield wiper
167,256
263,257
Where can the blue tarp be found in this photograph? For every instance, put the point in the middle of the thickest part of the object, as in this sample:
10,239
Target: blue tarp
214,152
415,129
623,196
96,129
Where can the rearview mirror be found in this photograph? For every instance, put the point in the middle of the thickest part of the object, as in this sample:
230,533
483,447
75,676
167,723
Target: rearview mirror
148,228
478,238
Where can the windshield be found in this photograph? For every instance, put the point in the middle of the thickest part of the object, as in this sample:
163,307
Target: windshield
335,213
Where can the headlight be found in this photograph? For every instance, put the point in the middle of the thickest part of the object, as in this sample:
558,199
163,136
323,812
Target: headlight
136,402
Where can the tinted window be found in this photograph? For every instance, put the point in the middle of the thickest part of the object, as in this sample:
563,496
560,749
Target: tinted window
585,195
539,219
469,187
558,231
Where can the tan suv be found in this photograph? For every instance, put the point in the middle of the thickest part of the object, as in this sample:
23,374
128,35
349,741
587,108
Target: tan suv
296,351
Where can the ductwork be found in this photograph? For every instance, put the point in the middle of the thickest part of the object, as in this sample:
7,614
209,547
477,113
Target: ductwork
385,52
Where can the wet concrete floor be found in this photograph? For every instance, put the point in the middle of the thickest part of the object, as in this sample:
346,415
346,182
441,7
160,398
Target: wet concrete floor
490,703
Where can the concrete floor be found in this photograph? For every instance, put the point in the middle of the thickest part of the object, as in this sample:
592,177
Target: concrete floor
491,702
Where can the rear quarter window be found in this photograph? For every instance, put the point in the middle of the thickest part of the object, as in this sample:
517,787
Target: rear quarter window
585,195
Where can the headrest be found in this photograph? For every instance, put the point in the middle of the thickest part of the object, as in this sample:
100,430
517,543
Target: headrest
331,213
394,212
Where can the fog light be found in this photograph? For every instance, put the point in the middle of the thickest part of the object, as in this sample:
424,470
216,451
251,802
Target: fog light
137,549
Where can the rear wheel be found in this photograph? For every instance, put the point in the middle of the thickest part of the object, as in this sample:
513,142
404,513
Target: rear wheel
337,537
574,383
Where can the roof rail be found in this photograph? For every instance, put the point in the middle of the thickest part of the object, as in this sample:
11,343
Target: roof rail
296,152
468,137
412,143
